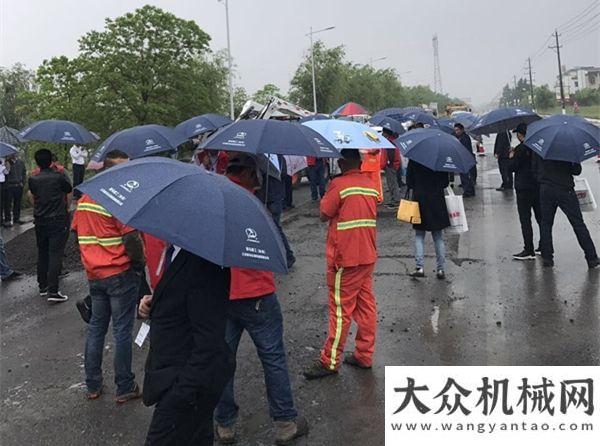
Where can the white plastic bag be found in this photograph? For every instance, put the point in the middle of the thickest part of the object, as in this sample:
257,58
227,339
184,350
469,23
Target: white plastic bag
587,203
456,213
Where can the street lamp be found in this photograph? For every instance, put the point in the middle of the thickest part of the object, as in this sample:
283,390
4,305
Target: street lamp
312,59
231,111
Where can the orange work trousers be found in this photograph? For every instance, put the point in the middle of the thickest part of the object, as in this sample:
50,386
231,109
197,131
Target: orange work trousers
350,298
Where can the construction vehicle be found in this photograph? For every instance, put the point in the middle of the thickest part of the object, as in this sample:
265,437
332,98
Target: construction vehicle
451,108
275,108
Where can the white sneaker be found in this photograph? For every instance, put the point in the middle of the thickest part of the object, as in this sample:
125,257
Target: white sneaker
57,297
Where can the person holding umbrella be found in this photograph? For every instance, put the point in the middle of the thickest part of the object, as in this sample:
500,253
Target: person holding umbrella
254,307
528,192
467,180
501,151
79,156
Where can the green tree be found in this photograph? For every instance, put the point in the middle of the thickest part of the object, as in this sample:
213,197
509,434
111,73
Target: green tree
239,99
15,83
262,96
544,97
587,96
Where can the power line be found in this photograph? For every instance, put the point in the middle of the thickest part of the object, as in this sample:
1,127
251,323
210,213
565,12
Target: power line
581,25
572,20
582,33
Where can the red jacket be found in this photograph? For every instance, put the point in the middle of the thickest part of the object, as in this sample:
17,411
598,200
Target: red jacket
221,164
250,283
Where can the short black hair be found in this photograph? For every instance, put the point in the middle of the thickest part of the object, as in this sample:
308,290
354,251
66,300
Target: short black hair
117,155
351,154
459,125
43,158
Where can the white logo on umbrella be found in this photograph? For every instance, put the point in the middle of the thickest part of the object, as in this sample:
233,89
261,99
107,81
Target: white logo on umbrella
130,185
149,142
341,137
240,135
251,235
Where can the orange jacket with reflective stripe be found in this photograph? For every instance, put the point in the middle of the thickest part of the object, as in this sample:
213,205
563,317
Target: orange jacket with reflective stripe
351,205
100,238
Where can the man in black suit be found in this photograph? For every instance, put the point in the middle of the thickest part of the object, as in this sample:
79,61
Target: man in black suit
501,152
189,362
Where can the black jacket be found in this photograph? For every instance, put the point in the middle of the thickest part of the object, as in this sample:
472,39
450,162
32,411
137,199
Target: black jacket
555,173
428,189
522,165
465,140
502,145
49,189
17,174
189,361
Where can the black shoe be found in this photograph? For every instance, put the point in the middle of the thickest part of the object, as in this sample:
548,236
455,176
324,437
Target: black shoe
524,255
43,292
12,276
594,264
538,252
418,272
64,273
7,225
57,297
468,195
548,263
350,359
440,274
500,189
85,309
317,371
291,262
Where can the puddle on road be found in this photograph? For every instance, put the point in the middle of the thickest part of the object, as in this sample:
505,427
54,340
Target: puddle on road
434,318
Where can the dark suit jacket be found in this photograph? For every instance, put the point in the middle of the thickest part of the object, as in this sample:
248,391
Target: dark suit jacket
189,361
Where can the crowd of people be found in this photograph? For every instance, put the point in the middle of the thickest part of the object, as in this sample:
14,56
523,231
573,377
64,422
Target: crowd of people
199,310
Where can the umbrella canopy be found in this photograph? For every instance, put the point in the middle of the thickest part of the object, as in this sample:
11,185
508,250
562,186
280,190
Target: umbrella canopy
420,116
317,117
55,130
446,125
7,149
349,134
387,123
436,150
350,109
143,140
200,211
502,119
9,135
412,108
394,113
564,138
202,124
272,137
467,119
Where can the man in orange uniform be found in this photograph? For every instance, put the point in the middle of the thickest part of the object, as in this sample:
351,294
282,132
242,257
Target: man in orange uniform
350,206
112,256
371,167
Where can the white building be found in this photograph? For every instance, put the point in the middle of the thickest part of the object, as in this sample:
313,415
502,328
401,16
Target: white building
578,78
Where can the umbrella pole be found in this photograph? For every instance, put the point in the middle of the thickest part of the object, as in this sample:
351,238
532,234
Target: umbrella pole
267,180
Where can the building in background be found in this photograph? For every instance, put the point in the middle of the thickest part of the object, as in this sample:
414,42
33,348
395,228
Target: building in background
578,78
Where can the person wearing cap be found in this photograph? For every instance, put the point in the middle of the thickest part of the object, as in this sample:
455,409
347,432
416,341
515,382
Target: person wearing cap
467,180
527,190
350,207
253,307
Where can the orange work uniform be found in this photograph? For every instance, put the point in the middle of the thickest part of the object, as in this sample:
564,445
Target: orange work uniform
351,205
371,166
100,237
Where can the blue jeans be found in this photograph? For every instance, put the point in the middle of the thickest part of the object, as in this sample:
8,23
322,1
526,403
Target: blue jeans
316,176
263,321
112,298
5,270
440,250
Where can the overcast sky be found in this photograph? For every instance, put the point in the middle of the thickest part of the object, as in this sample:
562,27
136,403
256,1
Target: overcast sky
482,43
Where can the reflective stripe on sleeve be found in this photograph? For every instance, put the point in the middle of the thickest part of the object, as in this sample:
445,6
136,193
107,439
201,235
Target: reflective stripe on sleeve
353,224
91,207
102,241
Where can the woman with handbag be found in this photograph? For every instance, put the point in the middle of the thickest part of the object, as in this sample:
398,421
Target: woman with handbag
427,188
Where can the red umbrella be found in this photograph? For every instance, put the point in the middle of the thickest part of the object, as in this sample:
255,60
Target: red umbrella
350,109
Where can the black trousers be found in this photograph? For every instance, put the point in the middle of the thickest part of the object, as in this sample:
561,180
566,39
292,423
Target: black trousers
78,174
12,202
287,185
552,198
51,238
505,173
176,427
527,201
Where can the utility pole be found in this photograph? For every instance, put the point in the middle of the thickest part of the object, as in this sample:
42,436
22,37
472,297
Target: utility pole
531,84
437,71
560,77
312,62
229,62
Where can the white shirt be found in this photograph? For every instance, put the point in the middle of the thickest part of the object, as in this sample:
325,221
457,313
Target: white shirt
78,154
3,170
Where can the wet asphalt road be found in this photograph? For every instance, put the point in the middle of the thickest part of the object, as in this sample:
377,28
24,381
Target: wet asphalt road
491,310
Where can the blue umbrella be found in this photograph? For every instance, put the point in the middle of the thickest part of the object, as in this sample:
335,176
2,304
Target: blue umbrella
201,212
349,134
413,108
9,135
502,120
564,138
317,117
420,116
446,125
7,149
202,124
436,150
271,137
394,113
467,119
387,123
143,140
54,130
